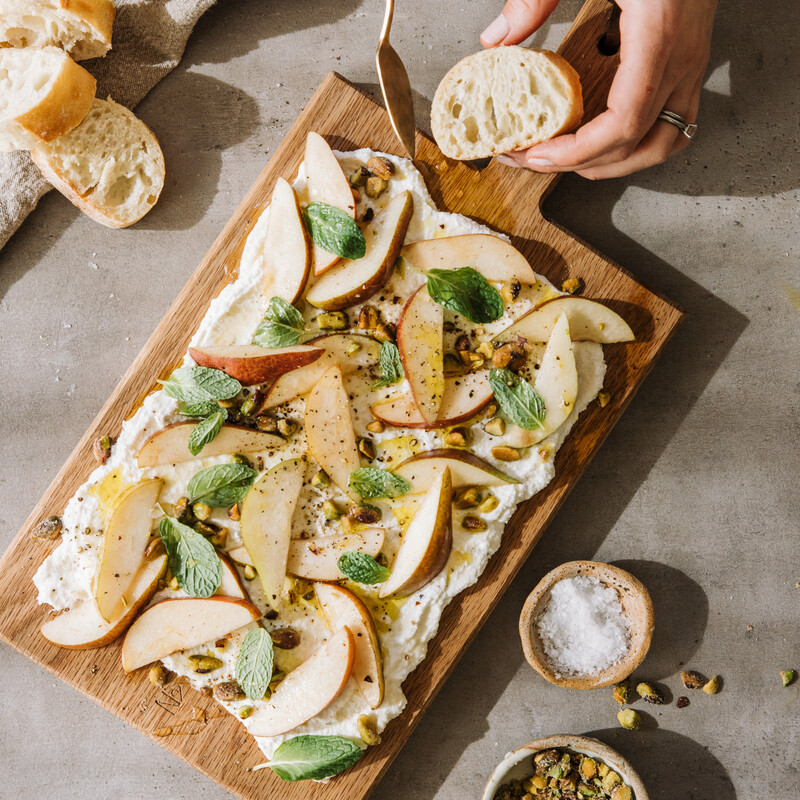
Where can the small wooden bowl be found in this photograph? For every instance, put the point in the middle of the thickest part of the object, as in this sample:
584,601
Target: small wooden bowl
517,764
636,605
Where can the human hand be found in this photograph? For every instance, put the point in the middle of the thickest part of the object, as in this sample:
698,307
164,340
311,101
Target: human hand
664,51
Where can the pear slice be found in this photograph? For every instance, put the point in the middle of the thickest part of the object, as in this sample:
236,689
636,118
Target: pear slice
286,250
464,396
266,520
326,184
426,544
308,689
419,340
493,257
127,532
588,321
466,469
316,559
351,282
231,584
557,384
352,352
329,430
344,609
170,445
251,364
83,627
179,624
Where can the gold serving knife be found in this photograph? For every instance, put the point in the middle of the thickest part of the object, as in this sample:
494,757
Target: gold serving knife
395,86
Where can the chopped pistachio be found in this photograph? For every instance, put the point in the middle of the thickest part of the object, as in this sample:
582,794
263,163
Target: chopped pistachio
183,511
49,528
621,692
712,686
202,511
367,730
384,332
588,768
692,679
467,498
266,423
604,398
332,321
102,448
368,318
320,480
173,584
649,693
611,780
603,769
376,426
352,348
248,405
234,513
458,437
241,458
452,363
585,790
205,664
221,644
375,186
365,513
245,712
462,343
366,448
510,290
220,538
249,572
787,676
381,166
496,426
206,528
285,638
573,285
503,453
488,504
485,349
509,356
629,719
228,691
474,524
621,792
157,675
331,511
287,427
155,548
534,783
359,176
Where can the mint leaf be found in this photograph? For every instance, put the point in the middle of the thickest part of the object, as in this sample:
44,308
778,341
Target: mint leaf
254,663
282,325
362,568
519,401
198,410
334,231
314,757
374,482
222,485
390,365
193,561
465,291
206,431
194,385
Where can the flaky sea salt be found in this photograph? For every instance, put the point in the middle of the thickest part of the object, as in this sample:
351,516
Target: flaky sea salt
583,628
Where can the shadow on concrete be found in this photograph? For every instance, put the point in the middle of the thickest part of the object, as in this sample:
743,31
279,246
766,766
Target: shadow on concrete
671,766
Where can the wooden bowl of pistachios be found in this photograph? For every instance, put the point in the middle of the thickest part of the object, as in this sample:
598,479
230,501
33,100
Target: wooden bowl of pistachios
550,767
587,625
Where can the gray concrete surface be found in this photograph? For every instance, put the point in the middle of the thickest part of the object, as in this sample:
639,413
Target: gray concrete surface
695,491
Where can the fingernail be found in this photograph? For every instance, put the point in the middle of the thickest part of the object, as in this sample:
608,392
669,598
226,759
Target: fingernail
540,162
496,32
508,161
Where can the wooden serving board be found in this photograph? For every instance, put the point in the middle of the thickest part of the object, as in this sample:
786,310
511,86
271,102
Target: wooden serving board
506,199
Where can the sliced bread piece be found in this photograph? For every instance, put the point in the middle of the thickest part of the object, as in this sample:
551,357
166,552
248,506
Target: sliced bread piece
504,99
81,27
43,95
110,166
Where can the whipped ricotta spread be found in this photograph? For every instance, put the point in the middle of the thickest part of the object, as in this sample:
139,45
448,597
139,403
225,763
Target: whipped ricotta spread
405,625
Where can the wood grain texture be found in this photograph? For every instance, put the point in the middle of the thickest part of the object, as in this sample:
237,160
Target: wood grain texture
507,200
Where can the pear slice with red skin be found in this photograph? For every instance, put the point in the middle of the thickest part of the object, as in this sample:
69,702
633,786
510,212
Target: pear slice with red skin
588,321
344,609
266,523
316,559
301,381
83,627
493,257
352,282
419,340
466,469
326,183
179,624
308,689
231,584
251,364
127,532
464,396
426,543
170,445
329,430
286,250
556,383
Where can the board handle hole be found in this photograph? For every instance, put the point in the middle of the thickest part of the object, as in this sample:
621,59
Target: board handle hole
608,43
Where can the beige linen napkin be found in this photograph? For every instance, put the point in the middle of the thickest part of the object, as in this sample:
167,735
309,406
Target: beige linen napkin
148,42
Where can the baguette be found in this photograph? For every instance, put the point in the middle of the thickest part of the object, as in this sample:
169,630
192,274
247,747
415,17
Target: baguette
43,95
111,166
81,27
504,99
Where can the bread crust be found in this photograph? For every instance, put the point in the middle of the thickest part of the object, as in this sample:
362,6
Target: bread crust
100,14
484,145
63,107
